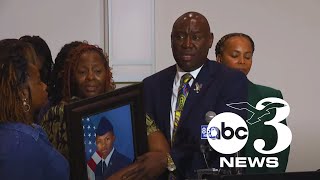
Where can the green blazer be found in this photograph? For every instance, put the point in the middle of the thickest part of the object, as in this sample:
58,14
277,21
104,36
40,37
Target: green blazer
260,131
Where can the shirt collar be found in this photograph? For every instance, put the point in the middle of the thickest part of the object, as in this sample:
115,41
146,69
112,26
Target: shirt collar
180,73
34,130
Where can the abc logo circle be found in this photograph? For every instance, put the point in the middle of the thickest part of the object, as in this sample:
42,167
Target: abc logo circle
227,133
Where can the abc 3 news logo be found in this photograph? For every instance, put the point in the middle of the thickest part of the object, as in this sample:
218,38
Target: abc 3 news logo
227,133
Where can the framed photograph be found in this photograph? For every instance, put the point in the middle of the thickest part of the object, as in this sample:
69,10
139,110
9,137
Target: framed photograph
106,132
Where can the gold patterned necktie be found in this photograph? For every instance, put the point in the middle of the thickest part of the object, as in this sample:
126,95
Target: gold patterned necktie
183,92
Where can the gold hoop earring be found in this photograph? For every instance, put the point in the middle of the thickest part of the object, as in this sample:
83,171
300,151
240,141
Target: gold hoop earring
25,105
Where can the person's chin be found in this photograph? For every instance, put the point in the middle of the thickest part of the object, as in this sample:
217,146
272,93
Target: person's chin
244,71
91,94
105,154
186,66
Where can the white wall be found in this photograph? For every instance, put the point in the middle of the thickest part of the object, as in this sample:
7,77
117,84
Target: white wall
58,22
131,39
286,34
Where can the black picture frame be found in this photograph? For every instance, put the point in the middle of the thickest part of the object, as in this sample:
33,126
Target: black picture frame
76,113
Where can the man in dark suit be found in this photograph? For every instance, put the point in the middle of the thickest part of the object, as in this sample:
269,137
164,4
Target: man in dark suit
106,160
178,97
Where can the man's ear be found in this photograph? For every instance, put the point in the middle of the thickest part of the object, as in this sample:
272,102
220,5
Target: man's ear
219,58
211,39
171,39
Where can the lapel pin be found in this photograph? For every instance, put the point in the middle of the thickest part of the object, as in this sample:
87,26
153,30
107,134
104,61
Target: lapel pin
198,87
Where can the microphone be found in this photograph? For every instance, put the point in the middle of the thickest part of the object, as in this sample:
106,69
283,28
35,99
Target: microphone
204,148
238,170
209,116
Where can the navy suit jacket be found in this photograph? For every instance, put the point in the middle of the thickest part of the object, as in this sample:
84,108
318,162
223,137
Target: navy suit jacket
117,162
220,85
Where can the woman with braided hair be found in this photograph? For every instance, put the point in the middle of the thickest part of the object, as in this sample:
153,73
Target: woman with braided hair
87,74
26,152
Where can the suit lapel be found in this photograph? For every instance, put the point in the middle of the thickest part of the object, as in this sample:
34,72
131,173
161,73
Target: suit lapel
205,78
165,94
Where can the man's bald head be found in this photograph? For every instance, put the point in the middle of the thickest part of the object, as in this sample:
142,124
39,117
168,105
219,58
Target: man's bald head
191,40
192,16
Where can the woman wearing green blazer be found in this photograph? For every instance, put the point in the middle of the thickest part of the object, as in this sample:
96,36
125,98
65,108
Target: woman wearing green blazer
235,50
